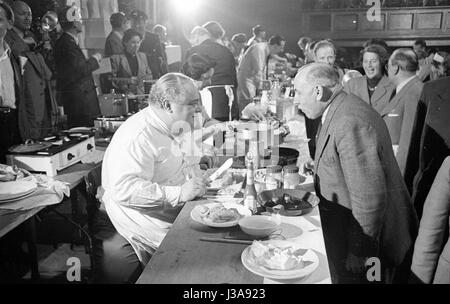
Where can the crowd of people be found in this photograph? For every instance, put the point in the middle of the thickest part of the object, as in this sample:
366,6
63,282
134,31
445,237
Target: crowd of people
379,132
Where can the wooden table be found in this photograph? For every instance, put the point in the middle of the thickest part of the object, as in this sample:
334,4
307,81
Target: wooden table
183,258
9,220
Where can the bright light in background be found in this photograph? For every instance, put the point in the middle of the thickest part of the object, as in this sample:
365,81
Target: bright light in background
186,7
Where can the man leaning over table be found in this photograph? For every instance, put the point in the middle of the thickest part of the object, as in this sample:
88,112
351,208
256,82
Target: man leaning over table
145,176
365,207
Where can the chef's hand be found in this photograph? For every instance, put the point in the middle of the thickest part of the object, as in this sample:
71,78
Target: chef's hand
307,168
193,188
355,264
208,162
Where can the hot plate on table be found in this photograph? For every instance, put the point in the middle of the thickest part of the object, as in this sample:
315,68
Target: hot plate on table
52,153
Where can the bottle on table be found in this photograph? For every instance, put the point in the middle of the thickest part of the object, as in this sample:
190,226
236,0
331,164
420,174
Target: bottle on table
274,178
250,194
291,177
254,150
275,90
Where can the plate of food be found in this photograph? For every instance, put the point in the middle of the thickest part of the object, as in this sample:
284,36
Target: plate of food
219,214
12,173
229,178
288,202
279,259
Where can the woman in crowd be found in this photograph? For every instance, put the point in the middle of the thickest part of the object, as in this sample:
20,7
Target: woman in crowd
374,88
440,65
131,68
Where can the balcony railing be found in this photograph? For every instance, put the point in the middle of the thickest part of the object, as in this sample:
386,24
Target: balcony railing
398,26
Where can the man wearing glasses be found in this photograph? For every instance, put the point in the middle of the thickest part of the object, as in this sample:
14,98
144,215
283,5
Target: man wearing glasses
145,174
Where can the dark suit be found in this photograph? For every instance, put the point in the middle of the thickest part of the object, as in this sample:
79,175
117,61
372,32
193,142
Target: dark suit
39,98
430,140
365,207
399,115
157,59
224,74
113,45
75,83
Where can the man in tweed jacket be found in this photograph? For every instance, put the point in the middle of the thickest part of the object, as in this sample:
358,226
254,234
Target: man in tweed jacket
365,207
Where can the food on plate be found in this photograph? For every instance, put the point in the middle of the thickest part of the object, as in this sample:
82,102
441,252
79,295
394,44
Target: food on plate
277,258
260,175
220,214
9,174
288,202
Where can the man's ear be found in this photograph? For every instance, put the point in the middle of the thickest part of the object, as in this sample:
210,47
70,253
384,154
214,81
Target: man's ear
10,24
318,91
167,106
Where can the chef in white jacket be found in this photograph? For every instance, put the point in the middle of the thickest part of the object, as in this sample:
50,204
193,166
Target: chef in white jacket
145,177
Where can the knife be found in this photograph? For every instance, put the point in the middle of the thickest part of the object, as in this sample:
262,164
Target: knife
230,241
221,170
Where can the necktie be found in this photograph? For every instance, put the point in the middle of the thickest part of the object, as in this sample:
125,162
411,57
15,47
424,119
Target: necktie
394,92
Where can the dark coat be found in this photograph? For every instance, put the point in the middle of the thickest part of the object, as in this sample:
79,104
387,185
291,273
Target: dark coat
39,98
75,83
365,206
224,74
430,142
157,59
113,45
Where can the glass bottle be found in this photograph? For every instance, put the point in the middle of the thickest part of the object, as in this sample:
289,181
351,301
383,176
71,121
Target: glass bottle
275,90
291,178
250,193
274,178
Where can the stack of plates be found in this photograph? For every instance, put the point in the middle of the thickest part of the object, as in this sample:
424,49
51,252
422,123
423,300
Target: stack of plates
16,190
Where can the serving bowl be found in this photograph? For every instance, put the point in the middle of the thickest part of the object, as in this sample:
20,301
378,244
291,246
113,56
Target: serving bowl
299,202
259,226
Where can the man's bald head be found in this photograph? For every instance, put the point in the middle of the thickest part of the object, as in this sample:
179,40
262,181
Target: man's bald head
318,74
314,84
22,15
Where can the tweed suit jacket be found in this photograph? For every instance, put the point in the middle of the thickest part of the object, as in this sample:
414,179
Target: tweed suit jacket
431,259
358,180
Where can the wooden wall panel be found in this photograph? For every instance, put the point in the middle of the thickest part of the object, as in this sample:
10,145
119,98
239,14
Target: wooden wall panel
346,22
429,21
402,21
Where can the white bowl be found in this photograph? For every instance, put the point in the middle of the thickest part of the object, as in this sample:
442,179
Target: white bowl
258,225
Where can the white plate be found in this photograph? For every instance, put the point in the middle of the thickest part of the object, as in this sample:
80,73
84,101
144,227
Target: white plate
309,256
196,214
18,198
15,189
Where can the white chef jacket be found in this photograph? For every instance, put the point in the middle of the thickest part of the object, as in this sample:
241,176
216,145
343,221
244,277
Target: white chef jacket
143,169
